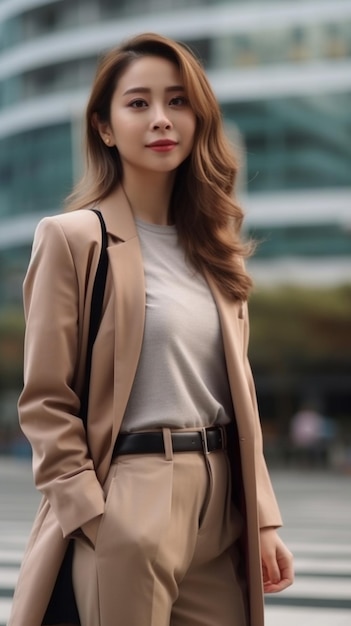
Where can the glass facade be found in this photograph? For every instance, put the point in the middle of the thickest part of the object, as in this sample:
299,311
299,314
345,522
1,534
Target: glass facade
35,170
295,143
291,143
66,15
283,45
308,241
51,79
13,260
297,42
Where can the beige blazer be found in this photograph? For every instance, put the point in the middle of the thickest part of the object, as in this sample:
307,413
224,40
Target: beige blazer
69,465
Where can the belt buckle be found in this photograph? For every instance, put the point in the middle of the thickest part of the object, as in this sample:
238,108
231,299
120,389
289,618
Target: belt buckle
204,441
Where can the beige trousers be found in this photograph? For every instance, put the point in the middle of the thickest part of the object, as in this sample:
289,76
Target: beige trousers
165,553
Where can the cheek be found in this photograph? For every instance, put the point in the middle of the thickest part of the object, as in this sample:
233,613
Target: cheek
123,126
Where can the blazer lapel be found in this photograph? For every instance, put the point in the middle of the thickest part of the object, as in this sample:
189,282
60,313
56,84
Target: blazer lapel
232,334
128,279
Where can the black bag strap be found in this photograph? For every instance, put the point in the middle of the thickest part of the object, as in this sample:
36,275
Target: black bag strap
95,315
62,607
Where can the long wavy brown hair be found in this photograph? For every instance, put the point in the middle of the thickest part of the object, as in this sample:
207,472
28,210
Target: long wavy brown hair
203,208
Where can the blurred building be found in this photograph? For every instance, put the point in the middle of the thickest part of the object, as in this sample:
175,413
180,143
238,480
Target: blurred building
281,70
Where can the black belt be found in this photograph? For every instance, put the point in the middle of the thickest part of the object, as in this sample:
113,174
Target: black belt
206,440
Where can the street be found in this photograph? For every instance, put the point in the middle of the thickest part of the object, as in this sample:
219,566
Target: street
316,509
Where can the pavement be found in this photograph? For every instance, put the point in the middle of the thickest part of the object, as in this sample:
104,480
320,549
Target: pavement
316,508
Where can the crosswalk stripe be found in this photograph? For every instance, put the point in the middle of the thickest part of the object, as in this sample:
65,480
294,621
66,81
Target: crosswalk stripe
5,607
321,545
276,616
321,580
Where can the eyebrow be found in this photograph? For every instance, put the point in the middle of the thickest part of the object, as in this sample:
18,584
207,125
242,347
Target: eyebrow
148,90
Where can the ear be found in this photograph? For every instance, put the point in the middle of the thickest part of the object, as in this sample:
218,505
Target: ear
104,130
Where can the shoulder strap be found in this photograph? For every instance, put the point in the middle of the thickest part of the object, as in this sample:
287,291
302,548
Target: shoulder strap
95,314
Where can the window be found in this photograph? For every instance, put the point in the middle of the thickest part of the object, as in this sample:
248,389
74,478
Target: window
35,170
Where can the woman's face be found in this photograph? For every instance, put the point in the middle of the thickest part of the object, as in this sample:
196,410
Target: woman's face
151,121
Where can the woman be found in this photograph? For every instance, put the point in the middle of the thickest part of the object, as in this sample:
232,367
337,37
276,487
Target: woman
163,533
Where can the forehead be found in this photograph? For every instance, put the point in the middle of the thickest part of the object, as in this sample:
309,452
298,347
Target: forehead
149,72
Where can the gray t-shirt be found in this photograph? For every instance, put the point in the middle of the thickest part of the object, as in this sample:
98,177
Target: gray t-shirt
181,379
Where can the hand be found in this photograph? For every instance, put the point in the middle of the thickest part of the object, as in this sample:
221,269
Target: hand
90,529
277,562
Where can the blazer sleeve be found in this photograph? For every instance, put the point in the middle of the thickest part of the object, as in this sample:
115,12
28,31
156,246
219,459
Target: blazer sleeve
48,405
268,510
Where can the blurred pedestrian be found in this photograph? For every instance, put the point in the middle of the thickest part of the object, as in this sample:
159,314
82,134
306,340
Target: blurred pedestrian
161,531
311,434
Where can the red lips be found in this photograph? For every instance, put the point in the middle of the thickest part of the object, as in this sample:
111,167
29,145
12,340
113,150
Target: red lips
162,142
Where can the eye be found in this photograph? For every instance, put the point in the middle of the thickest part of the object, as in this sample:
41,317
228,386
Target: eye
137,104
179,101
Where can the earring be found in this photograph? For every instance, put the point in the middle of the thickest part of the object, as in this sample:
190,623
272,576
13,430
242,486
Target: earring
107,141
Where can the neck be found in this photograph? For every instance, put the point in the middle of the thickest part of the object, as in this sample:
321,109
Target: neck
149,196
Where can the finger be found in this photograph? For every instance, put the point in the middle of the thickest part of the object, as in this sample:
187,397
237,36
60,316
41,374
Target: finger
270,587
286,579
265,575
270,569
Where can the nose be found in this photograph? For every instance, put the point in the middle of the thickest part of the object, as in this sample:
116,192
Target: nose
161,121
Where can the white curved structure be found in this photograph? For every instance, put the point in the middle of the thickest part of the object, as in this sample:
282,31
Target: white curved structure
282,71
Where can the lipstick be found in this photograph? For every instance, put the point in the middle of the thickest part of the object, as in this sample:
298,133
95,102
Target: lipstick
162,145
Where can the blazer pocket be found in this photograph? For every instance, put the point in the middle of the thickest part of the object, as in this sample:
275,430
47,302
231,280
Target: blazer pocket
108,490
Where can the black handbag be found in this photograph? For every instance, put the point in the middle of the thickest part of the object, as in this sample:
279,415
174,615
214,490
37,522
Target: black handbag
62,607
